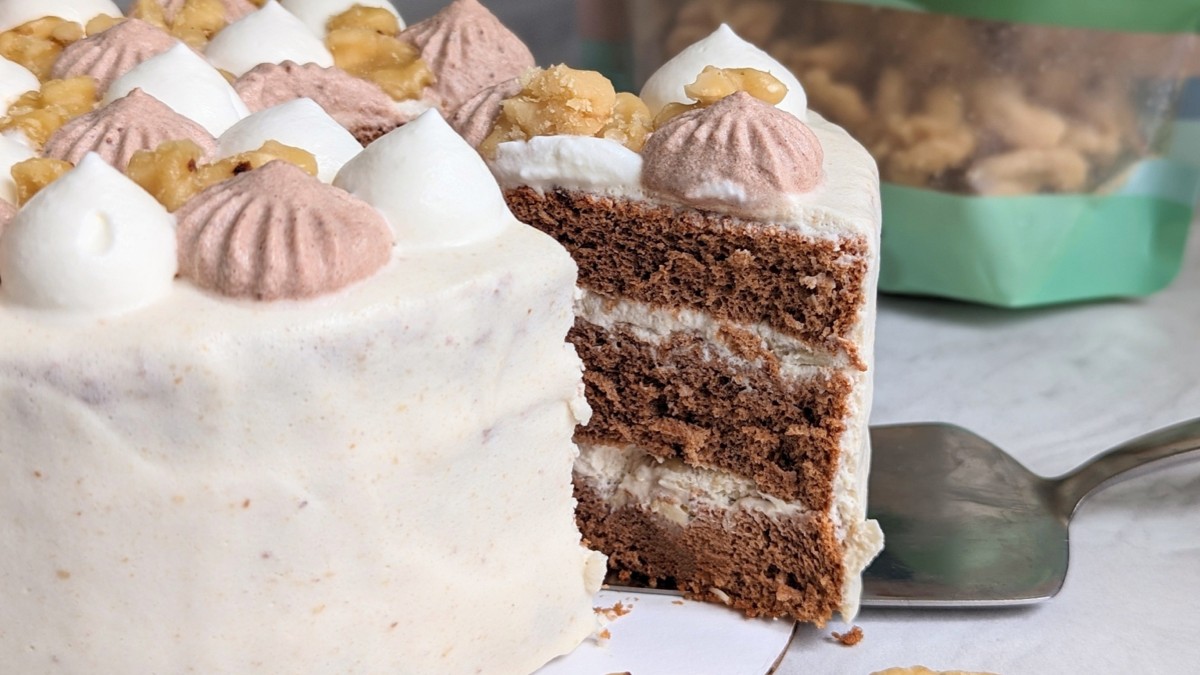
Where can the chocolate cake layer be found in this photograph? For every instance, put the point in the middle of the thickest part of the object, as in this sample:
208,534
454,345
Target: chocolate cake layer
763,565
678,399
808,288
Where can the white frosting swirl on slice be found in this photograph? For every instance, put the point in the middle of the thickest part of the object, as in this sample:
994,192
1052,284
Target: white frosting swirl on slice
433,188
187,83
300,123
316,13
92,241
270,35
723,49
572,162
15,13
15,80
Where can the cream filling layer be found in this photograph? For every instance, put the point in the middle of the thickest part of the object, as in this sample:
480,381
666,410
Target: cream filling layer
625,475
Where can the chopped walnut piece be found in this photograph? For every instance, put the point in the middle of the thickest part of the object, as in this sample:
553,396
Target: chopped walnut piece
37,44
38,114
564,101
101,23
714,84
173,174
196,22
363,43
36,173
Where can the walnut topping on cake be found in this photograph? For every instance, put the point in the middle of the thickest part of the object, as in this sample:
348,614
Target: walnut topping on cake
174,172
130,124
739,154
193,21
468,49
38,114
33,175
564,101
37,44
364,43
111,53
714,84
276,233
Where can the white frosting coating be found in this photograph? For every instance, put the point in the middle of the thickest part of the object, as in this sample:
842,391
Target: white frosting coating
229,484
15,13
453,201
11,152
316,13
187,83
841,205
723,49
93,241
270,35
15,80
300,123
572,162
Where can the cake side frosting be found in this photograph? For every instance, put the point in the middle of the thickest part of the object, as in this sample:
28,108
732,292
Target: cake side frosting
271,449
240,465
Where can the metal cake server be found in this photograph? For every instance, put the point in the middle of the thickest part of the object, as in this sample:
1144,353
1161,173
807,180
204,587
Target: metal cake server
965,525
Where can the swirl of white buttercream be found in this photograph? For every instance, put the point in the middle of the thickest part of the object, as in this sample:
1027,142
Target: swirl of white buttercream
92,241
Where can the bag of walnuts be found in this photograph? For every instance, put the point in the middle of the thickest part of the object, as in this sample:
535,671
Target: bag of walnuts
1032,151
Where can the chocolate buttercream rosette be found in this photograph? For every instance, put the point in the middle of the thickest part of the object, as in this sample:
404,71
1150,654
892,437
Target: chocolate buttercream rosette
110,54
277,233
468,49
128,125
739,154
358,105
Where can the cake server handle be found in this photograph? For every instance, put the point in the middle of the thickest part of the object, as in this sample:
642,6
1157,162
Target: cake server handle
1169,446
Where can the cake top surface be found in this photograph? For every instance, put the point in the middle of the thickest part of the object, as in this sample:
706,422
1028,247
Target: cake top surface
149,134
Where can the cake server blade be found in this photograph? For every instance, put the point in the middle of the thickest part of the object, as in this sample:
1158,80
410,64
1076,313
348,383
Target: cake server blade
966,525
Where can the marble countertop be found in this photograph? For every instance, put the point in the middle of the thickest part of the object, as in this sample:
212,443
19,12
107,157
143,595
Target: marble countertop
1053,387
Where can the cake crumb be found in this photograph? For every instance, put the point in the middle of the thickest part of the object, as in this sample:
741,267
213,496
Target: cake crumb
615,612
850,637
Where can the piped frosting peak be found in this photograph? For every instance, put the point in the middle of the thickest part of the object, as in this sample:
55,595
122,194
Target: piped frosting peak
722,49
469,49
91,241
739,155
276,233
118,130
433,188
359,106
187,83
269,35
110,54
